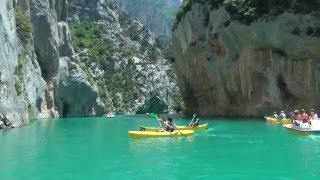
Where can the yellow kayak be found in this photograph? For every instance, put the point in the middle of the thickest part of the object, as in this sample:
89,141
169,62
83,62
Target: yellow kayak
286,121
160,134
282,121
272,120
201,127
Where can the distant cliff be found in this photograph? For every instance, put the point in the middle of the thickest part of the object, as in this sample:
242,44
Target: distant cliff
129,63
157,15
247,58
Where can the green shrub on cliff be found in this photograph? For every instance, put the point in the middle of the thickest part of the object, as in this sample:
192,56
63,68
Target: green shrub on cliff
247,11
23,26
89,35
122,79
186,6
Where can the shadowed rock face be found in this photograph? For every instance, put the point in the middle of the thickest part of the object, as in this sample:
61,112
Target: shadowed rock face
228,68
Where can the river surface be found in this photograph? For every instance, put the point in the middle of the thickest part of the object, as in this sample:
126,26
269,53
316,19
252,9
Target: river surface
99,148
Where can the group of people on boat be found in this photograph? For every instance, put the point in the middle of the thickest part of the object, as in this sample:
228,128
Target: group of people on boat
298,117
168,125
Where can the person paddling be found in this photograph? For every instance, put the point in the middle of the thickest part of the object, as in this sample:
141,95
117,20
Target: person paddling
195,121
167,124
282,115
275,115
170,126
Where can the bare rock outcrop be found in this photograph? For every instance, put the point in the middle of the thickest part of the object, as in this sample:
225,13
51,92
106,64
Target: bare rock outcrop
232,68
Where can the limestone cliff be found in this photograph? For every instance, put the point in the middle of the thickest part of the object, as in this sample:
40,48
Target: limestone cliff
127,61
157,15
35,53
247,59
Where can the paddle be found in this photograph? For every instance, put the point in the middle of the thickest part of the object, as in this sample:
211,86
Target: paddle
191,120
152,115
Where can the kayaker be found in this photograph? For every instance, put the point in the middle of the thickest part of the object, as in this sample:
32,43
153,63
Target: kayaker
296,117
282,115
162,122
169,125
313,115
275,115
195,121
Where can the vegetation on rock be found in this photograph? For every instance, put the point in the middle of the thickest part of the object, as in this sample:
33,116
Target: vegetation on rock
18,72
23,26
247,11
120,69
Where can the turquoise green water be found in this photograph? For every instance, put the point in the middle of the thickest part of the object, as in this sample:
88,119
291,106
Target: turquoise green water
99,148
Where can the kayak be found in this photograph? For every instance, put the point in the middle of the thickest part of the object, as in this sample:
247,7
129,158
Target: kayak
160,134
201,127
286,121
274,120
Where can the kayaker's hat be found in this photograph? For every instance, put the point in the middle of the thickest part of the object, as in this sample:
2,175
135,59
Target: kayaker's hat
275,113
282,112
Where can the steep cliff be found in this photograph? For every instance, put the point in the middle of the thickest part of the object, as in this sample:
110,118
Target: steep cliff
126,60
247,58
58,63
157,15
39,72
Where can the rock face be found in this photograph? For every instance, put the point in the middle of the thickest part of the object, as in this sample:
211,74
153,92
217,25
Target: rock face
126,60
35,82
53,44
9,53
69,98
230,68
157,15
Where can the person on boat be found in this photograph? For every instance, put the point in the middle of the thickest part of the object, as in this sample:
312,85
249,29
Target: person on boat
169,125
291,115
282,115
195,121
313,115
296,118
275,115
303,116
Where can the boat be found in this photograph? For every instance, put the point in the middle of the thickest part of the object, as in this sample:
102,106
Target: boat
304,128
160,134
201,127
109,115
286,121
275,120
271,120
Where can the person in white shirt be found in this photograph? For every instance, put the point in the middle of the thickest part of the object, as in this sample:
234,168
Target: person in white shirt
282,115
313,115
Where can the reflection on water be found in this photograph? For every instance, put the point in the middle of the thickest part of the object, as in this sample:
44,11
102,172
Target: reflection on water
158,143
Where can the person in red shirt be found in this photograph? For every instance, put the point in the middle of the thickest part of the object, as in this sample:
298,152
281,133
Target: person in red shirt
303,116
